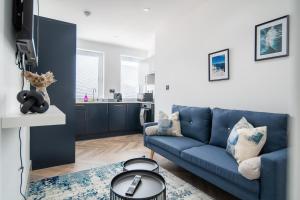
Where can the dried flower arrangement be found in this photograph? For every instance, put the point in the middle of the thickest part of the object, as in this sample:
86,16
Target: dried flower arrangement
40,82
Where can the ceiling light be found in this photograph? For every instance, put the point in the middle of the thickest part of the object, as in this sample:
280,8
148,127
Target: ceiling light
87,13
147,9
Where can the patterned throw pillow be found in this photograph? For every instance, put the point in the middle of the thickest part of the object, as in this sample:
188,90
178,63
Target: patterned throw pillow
234,136
246,142
169,126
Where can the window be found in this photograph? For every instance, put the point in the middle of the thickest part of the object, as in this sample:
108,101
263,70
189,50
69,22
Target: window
89,74
129,77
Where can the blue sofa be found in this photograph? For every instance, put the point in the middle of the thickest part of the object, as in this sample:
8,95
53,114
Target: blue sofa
202,150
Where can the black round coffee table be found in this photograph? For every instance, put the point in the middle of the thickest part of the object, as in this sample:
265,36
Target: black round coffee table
151,187
141,164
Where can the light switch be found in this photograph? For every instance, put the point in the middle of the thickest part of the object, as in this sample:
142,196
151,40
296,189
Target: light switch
167,87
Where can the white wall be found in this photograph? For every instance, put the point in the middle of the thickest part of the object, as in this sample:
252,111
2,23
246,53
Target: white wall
10,84
112,62
181,58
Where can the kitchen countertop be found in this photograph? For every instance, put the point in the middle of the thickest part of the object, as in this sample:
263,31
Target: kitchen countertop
104,102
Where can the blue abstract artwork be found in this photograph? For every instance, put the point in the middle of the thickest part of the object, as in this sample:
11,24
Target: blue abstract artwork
271,40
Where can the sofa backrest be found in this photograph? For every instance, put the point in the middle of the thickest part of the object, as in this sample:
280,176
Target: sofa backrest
223,121
195,122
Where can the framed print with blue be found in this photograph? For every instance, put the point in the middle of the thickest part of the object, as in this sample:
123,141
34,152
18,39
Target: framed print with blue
272,39
218,65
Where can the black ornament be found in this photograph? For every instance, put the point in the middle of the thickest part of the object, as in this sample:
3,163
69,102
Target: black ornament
32,101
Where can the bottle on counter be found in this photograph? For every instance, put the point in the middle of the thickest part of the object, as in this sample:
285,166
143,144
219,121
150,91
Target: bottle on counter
85,98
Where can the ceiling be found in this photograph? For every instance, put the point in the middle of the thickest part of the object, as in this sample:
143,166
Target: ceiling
121,22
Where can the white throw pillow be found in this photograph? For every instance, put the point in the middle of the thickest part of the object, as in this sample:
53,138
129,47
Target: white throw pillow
250,142
250,168
169,126
151,130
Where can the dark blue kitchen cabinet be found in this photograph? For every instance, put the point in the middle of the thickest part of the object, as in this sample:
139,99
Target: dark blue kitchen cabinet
106,119
80,120
117,117
133,117
97,119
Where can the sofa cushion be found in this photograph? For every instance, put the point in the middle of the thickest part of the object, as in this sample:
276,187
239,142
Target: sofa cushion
195,122
217,161
169,125
224,120
172,144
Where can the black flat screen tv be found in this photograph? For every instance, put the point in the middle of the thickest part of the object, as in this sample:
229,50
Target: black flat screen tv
23,20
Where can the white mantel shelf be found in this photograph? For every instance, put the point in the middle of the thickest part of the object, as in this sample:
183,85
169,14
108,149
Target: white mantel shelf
53,116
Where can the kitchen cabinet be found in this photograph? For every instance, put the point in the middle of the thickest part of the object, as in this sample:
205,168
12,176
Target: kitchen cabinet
98,120
117,117
80,120
133,117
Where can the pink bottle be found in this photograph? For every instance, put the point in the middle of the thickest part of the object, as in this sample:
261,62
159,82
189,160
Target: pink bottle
85,99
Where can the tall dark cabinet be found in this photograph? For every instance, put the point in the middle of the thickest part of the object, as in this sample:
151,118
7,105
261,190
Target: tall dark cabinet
55,145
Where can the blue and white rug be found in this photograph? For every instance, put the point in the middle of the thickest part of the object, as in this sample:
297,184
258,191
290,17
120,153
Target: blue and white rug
94,184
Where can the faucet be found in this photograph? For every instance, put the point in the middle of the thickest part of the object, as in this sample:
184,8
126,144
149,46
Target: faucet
94,91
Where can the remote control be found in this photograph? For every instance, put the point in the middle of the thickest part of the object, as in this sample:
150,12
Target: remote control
134,185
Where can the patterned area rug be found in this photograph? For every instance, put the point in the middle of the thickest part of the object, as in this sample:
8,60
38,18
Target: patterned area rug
94,184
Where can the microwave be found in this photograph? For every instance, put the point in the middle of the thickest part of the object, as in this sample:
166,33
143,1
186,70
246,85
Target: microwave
145,97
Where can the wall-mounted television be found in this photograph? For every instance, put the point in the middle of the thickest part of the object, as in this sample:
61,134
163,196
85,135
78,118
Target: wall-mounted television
23,20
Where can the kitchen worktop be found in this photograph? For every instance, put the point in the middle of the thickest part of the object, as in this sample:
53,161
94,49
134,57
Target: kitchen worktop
105,102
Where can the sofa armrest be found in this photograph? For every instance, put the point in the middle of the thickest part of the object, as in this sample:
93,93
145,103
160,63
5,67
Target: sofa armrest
274,175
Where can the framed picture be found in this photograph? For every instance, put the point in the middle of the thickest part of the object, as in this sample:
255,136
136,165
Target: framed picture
272,39
218,65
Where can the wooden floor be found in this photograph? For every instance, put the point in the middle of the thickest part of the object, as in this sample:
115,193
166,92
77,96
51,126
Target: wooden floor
95,153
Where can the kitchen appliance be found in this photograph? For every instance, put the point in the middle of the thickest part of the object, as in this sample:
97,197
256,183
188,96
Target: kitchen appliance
145,97
118,97
146,113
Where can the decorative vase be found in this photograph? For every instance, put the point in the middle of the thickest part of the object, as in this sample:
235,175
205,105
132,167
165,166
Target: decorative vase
43,90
